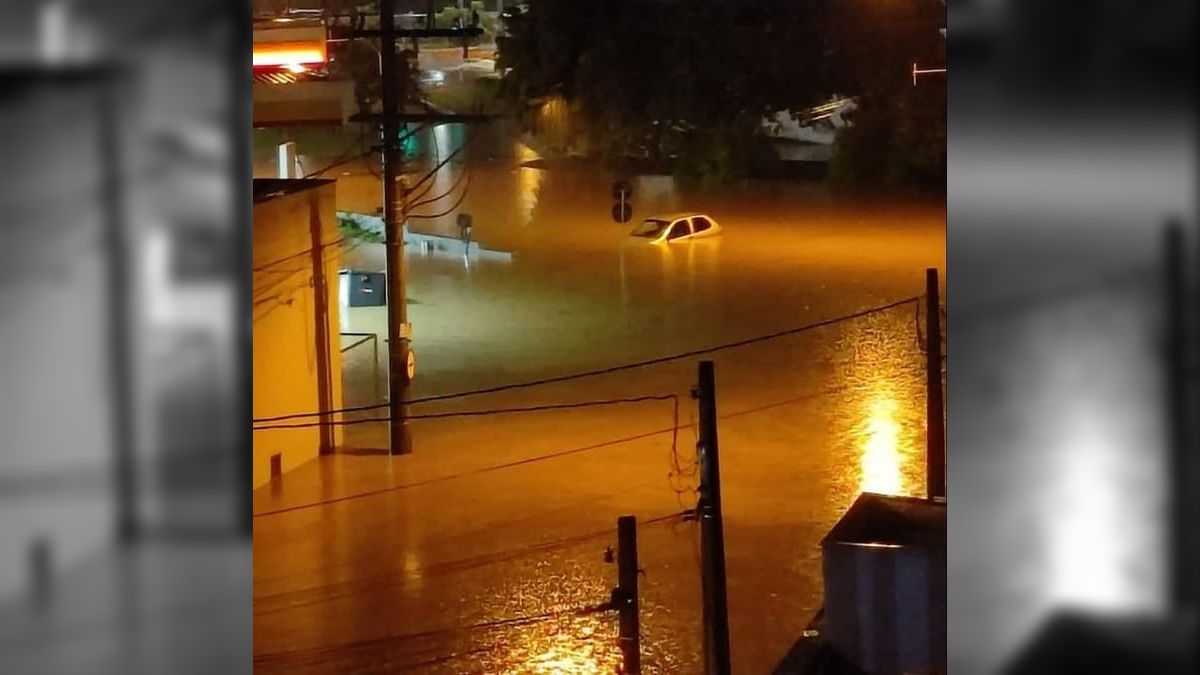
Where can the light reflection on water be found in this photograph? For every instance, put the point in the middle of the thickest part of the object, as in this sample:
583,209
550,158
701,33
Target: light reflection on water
529,181
583,651
884,420
880,445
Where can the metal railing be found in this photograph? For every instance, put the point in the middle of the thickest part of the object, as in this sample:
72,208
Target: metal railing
361,372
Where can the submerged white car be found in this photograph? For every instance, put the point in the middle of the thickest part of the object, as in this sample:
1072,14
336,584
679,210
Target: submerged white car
677,227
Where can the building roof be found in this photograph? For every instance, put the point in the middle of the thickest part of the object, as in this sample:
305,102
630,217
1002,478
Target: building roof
815,656
269,188
891,521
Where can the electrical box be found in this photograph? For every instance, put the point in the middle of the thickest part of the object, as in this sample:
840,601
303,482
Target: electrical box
366,289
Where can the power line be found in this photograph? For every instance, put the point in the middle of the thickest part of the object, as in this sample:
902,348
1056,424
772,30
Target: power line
450,210
437,158
440,164
480,413
673,357
293,256
486,625
612,369
466,173
674,430
346,156
472,562
474,472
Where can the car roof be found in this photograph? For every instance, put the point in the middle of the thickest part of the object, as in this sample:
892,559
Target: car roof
676,216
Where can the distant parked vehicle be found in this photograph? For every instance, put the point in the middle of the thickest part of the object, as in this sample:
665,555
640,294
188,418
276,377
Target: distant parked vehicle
676,227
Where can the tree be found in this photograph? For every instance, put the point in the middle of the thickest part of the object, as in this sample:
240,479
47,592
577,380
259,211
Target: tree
688,83
897,140
661,80
897,137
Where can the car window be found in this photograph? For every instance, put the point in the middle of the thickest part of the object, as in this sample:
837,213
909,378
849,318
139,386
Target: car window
650,229
680,229
700,223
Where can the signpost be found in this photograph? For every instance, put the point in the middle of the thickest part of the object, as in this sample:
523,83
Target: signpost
622,192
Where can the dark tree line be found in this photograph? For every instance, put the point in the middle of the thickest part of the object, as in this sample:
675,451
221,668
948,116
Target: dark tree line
690,80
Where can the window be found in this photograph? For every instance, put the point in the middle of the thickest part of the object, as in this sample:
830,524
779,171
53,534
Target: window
700,223
650,229
680,229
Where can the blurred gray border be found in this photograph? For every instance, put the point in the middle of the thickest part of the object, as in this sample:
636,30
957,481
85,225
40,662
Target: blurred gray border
1072,145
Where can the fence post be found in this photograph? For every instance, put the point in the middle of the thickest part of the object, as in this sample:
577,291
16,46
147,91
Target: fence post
627,595
712,529
375,367
935,416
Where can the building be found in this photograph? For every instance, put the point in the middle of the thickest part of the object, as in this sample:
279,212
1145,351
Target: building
292,85
884,565
297,364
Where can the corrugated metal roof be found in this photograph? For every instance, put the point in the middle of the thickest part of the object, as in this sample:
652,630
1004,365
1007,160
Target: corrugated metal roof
274,77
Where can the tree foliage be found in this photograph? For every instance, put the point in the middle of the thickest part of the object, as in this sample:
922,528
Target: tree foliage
897,139
690,80
660,79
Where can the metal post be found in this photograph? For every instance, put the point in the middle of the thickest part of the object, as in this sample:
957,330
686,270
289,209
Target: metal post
394,238
627,595
1181,455
374,368
712,531
935,416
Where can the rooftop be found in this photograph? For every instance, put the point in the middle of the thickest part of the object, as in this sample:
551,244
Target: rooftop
891,521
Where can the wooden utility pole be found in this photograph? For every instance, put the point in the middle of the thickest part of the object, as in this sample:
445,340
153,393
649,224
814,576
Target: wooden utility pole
393,227
320,289
626,597
108,82
712,529
935,416
399,330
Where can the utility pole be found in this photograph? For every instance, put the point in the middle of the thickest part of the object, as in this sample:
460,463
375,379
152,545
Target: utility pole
935,417
712,530
320,287
117,247
399,330
625,597
393,227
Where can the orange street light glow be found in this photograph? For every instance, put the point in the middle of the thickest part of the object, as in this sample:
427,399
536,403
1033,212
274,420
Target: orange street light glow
287,54
880,459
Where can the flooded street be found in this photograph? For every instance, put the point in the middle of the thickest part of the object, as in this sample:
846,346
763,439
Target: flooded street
483,551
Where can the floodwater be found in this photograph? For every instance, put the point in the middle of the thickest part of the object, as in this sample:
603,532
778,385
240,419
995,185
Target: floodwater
483,551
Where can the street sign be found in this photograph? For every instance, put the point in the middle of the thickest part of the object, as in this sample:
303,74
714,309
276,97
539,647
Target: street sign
411,364
622,212
622,191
